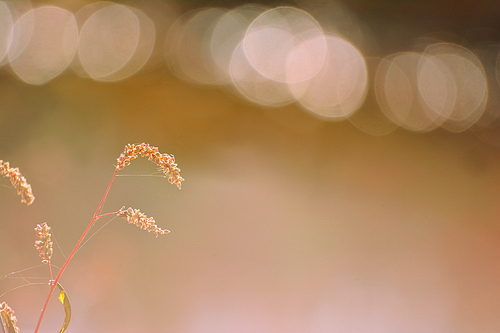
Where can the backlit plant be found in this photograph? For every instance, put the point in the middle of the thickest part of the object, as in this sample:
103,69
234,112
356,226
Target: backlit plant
43,244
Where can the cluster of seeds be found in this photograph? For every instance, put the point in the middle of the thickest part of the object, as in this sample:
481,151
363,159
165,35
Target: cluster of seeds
44,243
165,161
8,316
135,216
18,182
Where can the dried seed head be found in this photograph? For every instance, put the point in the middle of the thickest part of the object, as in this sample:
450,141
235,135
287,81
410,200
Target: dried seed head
44,243
135,216
18,182
165,161
8,315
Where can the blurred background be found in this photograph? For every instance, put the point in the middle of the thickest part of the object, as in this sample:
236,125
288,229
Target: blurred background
341,162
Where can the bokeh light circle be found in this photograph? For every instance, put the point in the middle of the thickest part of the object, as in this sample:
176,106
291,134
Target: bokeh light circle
43,44
396,89
370,118
6,25
253,85
467,73
273,35
188,50
108,40
228,33
340,86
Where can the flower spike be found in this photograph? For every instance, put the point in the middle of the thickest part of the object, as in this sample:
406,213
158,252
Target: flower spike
165,161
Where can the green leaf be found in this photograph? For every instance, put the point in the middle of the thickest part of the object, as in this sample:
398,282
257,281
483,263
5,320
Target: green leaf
63,297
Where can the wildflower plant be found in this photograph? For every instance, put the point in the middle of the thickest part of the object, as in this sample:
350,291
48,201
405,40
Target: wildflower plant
43,244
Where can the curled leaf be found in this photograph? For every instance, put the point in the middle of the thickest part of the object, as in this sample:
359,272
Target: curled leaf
63,297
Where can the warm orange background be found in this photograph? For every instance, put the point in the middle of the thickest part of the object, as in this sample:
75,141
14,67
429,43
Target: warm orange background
285,223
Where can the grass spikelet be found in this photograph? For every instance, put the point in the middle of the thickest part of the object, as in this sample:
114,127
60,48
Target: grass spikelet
135,216
18,182
9,319
44,243
165,161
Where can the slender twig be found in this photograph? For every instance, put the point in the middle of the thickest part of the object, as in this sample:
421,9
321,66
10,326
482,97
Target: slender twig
53,283
50,270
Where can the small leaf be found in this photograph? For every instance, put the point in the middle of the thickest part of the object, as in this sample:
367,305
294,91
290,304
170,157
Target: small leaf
63,297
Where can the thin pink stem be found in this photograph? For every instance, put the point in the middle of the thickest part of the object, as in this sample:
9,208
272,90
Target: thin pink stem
50,270
107,214
53,283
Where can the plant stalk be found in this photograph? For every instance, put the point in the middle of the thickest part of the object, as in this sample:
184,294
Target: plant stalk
53,283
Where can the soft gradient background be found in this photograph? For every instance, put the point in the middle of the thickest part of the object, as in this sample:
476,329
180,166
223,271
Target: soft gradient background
286,222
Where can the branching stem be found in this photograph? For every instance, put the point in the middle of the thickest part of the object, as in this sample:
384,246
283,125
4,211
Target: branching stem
53,283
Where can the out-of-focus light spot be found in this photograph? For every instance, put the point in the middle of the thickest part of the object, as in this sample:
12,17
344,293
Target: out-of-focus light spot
467,74
436,86
162,14
143,50
370,118
140,55
5,29
487,53
108,41
81,17
306,60
43,44
228,33
189,53
340,86
488,126
337,19
255,86
17,9
274,45
397,93
445,86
